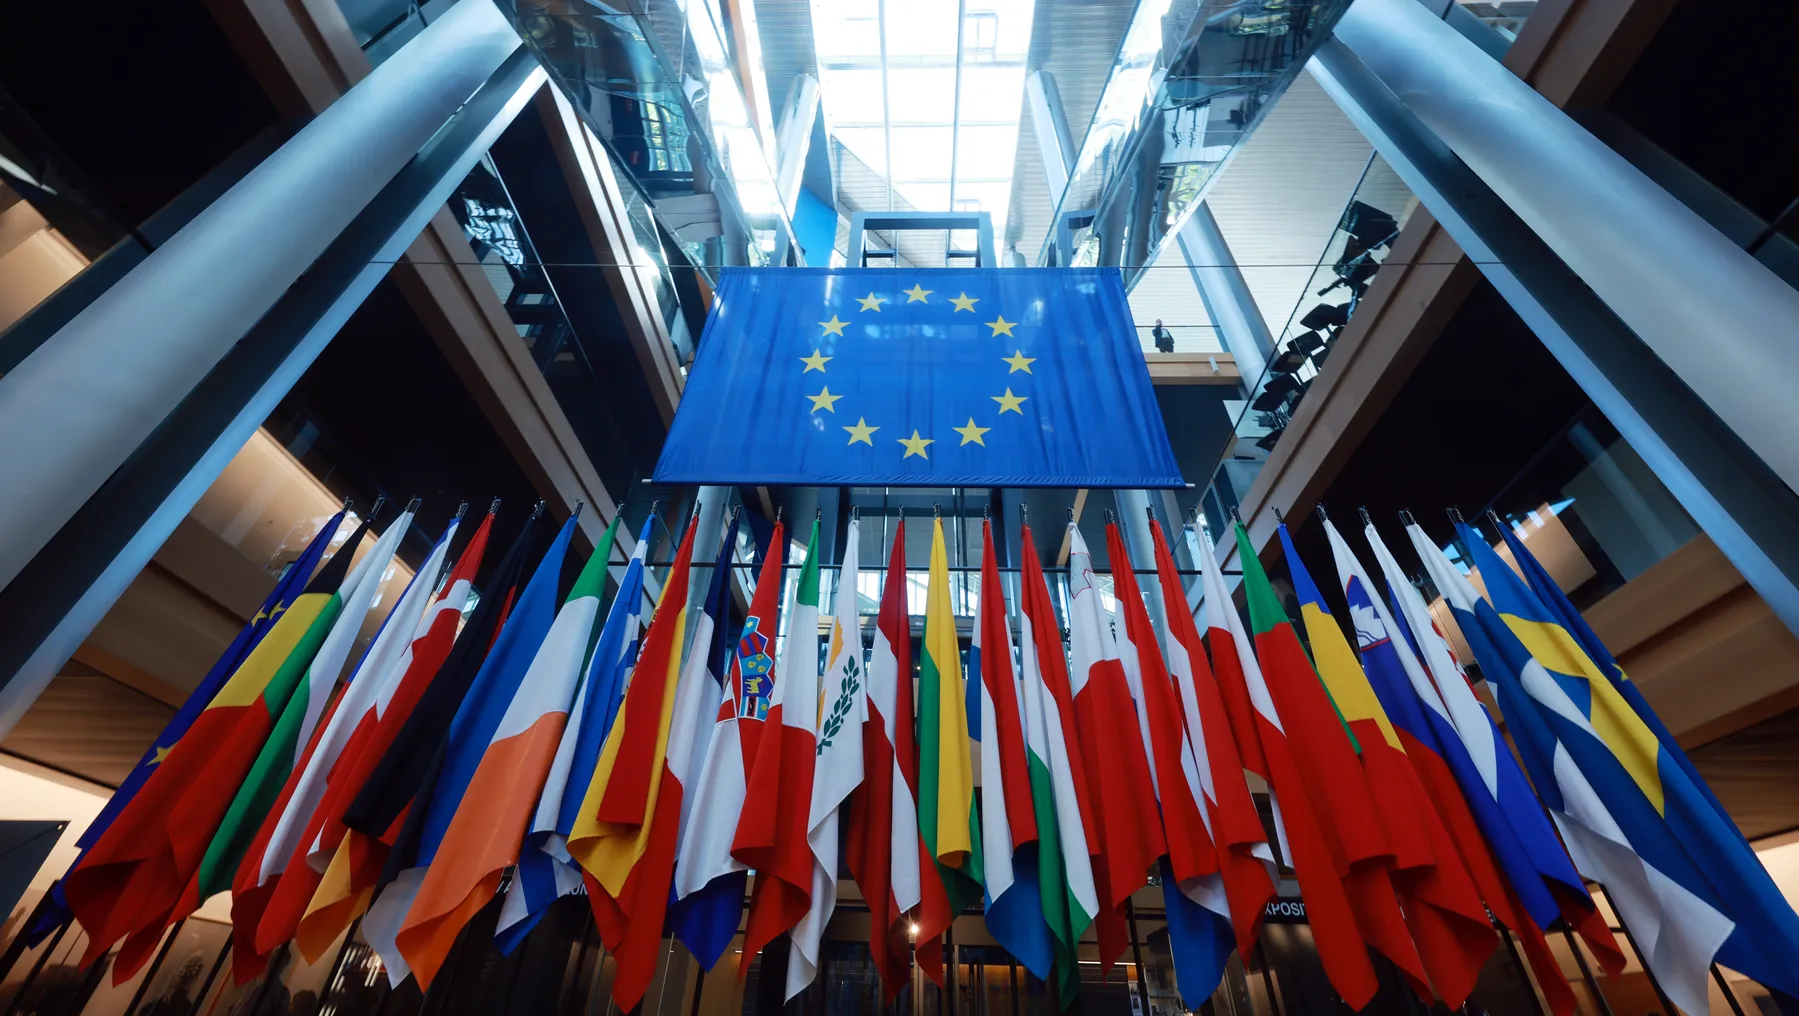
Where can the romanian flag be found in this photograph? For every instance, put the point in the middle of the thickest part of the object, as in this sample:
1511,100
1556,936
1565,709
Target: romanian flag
307,906
1450,927
1058,779
1682,878
628,828
946,811
771,831
293,581
1122,795
134,875
484,836
1265,741
299,717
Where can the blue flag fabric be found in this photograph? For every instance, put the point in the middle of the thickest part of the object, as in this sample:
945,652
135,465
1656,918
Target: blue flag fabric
1200,940
292,583
707,920
1681,877
939,377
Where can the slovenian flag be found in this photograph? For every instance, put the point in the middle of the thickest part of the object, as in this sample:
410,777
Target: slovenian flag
1008,820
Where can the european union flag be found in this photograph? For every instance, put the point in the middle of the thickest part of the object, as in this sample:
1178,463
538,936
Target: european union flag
937,377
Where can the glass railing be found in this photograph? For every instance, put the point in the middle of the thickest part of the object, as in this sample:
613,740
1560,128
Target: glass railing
1355,251
1192,80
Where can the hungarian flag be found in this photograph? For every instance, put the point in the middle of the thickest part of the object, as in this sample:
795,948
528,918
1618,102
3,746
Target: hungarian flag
837,771
484,835
134,875
1451,929
306,906
946,812
425,833
274,844
628,827
1058,780
771,831
1123,801
545,871
705,921
1421,717
1199,916
1305,840
704,864
56,912
1330,773
886,855
298,718
1008,819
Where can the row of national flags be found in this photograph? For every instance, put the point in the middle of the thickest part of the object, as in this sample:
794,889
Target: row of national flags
701,771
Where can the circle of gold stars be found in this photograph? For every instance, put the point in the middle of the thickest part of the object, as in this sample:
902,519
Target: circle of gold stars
862,432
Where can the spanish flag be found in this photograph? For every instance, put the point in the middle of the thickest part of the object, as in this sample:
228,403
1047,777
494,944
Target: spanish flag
131,880
626,836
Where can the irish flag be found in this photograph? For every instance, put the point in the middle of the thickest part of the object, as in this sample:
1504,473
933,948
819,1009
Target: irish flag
1058,782
946,812
1119,781
133,876
771,831
484,835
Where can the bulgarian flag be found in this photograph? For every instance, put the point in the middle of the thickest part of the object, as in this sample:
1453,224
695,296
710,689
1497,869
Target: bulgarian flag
1008,821
484,836
1058,780
299,717
771,831
946,812
1123,801
886,855
275,843
1330,776
1450,927
134,875
1263,740
704,864
629,824
1245,862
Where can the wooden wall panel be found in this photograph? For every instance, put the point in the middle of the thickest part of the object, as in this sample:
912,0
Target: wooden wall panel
89,725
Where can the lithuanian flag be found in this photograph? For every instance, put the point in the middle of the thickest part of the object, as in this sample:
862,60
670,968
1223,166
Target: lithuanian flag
946,813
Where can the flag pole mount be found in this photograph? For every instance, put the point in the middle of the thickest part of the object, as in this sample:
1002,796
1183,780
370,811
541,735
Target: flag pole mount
493,507
818,513
375,512
936,510
413,505
1111,516
537,509
580,503
1406,518
461,510
1024,514
1455,515
1323,516
1279,519
779,509
1367,520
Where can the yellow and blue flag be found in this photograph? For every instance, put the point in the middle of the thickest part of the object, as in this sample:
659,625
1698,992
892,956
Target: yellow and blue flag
1680,876
942,377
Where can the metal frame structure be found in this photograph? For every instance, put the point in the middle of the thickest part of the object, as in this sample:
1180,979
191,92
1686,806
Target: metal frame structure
862,223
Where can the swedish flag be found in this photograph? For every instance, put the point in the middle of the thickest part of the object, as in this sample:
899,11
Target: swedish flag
1682,878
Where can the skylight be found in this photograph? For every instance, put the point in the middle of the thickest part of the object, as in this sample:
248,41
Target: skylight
888,71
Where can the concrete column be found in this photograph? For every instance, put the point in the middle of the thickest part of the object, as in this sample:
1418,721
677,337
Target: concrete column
80,404
1721,320
1226,295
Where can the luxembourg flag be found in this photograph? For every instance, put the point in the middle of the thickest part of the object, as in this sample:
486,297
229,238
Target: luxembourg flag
545,871
1008,823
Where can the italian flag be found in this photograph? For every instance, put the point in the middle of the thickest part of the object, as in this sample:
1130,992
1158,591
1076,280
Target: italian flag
1058,781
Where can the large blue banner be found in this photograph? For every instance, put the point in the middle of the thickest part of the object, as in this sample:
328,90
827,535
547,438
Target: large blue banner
937,377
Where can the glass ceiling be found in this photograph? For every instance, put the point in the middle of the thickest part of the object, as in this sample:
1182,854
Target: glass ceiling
932,110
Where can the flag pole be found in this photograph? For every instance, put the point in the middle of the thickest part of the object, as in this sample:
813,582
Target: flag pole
1586,973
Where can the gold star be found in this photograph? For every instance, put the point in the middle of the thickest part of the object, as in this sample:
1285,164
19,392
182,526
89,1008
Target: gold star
916,445
833,326
862,432
1000,327
917,293
1009,402
965,302
161,753
816,361
973,433
871,302
1019,362
826,401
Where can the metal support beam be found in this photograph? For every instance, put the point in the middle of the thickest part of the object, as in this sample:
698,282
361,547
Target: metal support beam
1226,295
1050,123
1732,493
1721,320
793,138
75,409
69,585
